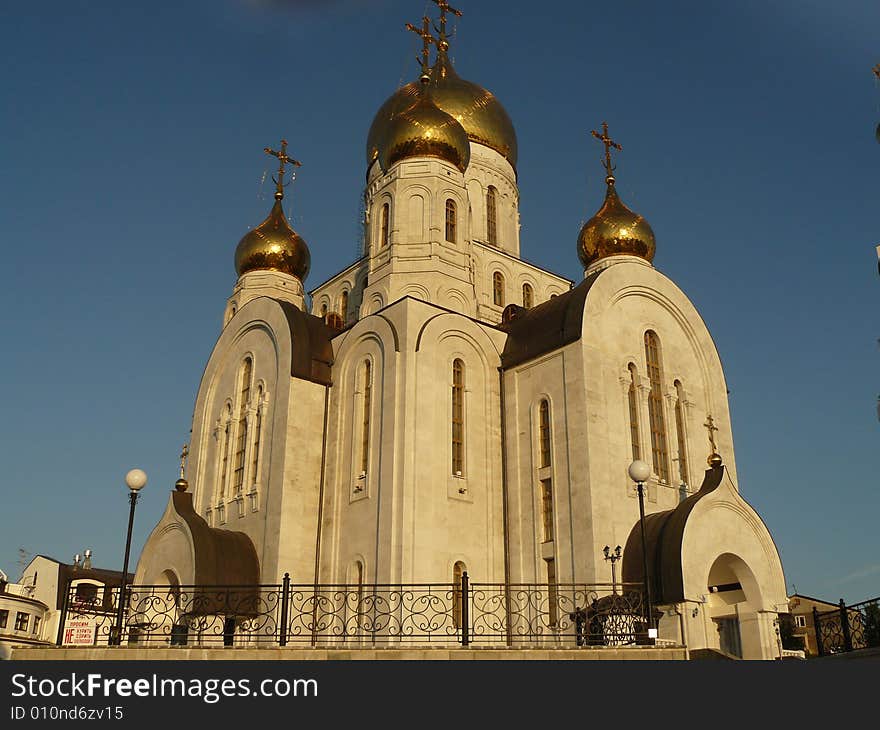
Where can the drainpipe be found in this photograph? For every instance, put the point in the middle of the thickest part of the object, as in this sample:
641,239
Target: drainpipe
320,513
504,510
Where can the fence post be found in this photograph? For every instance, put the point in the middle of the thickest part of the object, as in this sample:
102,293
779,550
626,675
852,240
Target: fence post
465,610
844,625
820,650
62,619
285,598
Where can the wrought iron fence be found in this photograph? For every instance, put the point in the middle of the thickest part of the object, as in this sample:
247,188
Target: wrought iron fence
354,615
848,628
583,615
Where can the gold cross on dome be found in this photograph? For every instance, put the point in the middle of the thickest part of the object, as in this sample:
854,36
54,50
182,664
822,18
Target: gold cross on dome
283,159
427,39
609,143
711,428
445,7
183,454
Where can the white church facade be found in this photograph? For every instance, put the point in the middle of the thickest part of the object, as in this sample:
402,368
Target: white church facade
441,406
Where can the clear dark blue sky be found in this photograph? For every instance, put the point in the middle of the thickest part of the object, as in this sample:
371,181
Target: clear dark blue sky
131,160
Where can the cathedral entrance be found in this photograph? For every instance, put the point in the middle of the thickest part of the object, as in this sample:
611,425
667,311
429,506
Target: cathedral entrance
733,605
728,636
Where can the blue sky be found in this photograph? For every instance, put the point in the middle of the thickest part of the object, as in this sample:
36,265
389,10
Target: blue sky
132,164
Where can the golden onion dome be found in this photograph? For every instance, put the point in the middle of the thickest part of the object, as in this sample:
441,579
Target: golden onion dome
477,110
273,245
424,130
615,229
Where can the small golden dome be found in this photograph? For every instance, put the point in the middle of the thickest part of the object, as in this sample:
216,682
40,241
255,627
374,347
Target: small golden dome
273,245
714,460
424,130
615,229
477,110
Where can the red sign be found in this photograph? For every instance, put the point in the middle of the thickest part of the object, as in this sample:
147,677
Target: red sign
79,632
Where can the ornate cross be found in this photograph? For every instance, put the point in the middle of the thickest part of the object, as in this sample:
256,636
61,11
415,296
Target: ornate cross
183,454
609,143
445,7
283,159
711,428
427,39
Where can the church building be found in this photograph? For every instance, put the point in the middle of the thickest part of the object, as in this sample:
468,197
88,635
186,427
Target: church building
442,406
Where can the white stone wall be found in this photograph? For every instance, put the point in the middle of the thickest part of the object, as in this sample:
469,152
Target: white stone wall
277,506
410,519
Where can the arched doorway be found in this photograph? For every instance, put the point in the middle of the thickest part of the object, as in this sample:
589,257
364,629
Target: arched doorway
733,600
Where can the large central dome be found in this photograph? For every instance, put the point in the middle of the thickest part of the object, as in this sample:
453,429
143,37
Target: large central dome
475,108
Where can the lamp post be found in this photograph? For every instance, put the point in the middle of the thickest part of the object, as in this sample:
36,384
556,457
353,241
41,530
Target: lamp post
135,481
613,557
639,472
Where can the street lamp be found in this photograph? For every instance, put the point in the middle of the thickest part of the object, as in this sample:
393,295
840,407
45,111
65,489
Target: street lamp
639,472
135,481
613,557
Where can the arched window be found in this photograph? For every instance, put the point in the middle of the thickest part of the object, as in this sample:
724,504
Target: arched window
528,296
365,421
383,224
498,289
633,399
547,509
224,451
492,215
458,418
258,427
343,306
679,429
450,220
544,432
659,449
241,429
458,570
324,310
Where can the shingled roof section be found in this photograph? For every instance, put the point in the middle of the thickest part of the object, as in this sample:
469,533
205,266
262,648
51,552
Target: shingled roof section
312,355
664,533
546,327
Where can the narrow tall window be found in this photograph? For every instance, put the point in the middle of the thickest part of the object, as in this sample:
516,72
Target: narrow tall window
224,452
632,397
498,289
544,432
324,310
457,572
457,417
528,296
492,215
343,305
659,449
547,509
365,421
383,225
258,427
357,595
552,593
450,220
679,428
241,429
